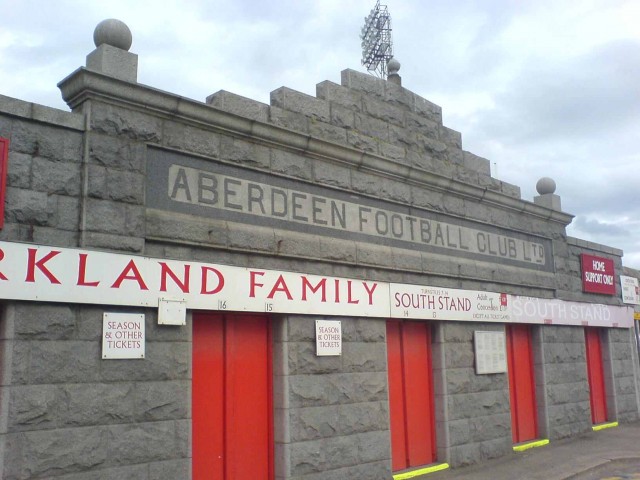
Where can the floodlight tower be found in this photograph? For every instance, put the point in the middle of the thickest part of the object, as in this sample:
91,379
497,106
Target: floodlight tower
377,47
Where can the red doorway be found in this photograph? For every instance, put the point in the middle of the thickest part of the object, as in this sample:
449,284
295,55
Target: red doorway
522,387
411,401
231,397
595,373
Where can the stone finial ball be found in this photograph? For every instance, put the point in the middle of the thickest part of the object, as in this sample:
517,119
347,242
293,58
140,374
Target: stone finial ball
112,32
546,185
393,66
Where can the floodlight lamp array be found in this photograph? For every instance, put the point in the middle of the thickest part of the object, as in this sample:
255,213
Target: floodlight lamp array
377,47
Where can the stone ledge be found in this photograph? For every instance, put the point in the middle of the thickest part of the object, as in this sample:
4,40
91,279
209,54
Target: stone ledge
41,113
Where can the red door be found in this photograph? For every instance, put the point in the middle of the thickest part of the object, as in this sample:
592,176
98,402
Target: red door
413,440
595,373
522,387
231,398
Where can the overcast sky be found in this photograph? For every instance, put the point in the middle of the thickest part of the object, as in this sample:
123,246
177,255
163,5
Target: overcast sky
538,87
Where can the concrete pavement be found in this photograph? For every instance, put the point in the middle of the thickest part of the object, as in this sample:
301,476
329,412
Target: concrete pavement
613,453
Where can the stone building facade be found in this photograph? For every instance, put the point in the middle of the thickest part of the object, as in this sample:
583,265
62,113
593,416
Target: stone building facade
358,206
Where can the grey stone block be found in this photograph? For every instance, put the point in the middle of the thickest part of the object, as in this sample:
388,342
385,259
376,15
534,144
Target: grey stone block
364,357
107,241
156,401
44,321
84,404
56,177
123,123
105,216
144,442
380,187
132,472
63,361
244,152
342,117
19,170
288,119
328,132
187,228
383,111
395,153
564,353
251,238
163,361
298,102
362,82
450,137
291,164
239,105
27,206
124,186
47,453
479,404
339,95
67,215
46,141
362,142
476,163
115,62
364,330
332,389
188,138
33,407
117,152
171,469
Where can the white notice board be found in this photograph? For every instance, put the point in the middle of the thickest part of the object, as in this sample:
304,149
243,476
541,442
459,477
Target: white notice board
490,352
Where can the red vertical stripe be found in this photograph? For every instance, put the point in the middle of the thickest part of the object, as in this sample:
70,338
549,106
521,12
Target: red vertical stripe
396,397
419,395
207,397
522,390
232,392
411,398
595,373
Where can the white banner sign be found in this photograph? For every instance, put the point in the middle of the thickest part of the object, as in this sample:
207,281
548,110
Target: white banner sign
434,303
29,272
52,274
630,290
552,311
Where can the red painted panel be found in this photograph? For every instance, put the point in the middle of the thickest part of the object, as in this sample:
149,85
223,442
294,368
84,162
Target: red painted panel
396,396
231,398
410,394
248,402
207,397
524,423
416,340
595,373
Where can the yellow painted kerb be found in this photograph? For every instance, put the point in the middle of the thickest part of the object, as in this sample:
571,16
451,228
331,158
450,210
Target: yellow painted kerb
602,426
421,471
526,446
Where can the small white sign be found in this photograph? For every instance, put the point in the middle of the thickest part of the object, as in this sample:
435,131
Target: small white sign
328,337
490,352
630,290
122,335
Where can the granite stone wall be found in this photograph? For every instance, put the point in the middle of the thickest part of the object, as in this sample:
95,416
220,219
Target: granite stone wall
68,414
331,413
563,386
472,411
